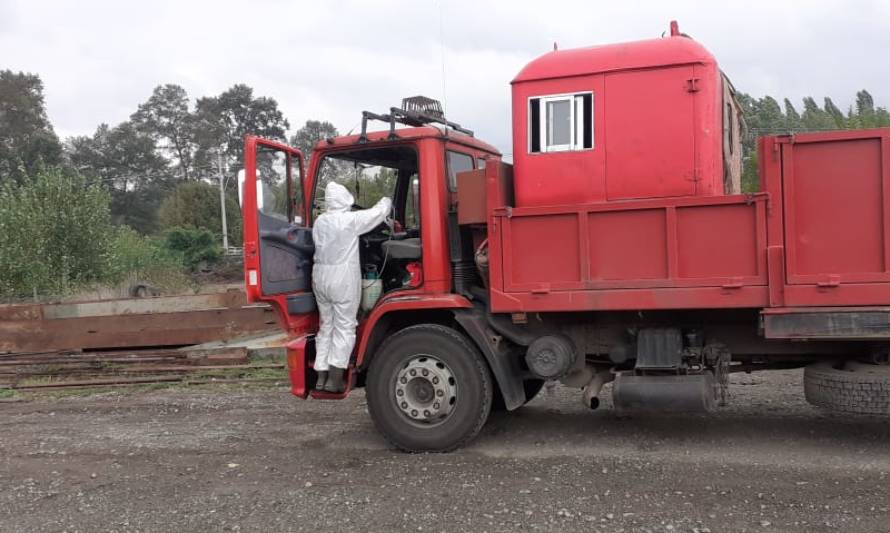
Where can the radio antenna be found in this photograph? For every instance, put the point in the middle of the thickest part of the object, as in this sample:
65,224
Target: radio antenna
442,49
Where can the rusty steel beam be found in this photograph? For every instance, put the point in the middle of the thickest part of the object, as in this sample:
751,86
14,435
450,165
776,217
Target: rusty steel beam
122,382
223,355
98,382
123,371
124,306
852,323
127,367
119,331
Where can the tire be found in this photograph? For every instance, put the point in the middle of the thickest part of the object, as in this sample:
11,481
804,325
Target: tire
139,291
448,355
850,388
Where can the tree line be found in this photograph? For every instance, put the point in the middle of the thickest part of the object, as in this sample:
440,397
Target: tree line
169,140
765,116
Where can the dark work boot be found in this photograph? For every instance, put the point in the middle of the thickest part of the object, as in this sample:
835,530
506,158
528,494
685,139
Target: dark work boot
335,380
322,379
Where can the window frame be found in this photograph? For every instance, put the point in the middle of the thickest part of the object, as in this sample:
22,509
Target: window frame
295,191
547,124
333,153
577,110
268,196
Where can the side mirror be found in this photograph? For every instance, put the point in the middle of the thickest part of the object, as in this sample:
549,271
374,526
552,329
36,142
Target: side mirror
259,189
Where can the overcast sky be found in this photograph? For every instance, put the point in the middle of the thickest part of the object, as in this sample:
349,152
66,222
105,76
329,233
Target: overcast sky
330,60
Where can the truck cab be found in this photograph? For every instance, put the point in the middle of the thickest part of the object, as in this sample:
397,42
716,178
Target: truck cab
415,162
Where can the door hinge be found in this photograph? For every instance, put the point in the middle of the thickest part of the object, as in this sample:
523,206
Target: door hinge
692,85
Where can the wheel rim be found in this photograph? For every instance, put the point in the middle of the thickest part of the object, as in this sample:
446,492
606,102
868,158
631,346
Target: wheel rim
425,390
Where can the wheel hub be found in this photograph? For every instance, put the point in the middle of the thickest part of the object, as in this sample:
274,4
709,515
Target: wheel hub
425,390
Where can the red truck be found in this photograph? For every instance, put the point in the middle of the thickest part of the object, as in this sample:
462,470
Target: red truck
617,247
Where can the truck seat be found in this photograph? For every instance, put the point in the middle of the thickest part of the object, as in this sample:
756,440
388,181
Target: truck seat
403,249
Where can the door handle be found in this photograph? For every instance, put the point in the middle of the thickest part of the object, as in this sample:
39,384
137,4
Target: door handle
832,282
734,283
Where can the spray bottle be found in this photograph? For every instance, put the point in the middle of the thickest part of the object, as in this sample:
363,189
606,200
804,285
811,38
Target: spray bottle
372,286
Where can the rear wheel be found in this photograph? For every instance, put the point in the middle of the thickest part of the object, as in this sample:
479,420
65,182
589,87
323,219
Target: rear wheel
428,389
849,387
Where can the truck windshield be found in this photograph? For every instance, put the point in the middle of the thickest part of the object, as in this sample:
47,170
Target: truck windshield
371,174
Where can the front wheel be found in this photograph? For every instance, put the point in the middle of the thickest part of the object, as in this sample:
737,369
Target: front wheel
428,389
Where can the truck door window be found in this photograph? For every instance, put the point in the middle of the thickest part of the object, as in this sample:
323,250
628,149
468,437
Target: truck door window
560,122
457,162
280,199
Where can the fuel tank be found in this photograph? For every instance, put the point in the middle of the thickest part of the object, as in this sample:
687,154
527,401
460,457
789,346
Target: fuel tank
665,393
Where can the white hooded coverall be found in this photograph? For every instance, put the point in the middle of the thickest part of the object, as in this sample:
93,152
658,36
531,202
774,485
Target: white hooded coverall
337,275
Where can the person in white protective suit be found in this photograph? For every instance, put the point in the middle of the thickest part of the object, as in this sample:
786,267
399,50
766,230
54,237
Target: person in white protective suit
337,280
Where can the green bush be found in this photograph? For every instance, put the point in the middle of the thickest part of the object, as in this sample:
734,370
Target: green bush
137,258
55,234
193,246
56,237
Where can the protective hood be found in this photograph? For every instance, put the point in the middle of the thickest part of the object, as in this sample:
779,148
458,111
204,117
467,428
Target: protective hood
337,198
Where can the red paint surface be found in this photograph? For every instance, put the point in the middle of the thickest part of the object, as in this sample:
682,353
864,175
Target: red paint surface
404,301
648,53
644,245
836,203
298,366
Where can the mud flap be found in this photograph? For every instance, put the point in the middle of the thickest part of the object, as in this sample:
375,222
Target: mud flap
299,353
504,365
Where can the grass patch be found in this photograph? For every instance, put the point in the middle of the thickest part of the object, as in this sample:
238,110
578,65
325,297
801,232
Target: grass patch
7,393
220,378
37,380
241,373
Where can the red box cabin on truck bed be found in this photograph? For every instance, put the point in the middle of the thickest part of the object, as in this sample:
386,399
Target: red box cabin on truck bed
618,122
617,248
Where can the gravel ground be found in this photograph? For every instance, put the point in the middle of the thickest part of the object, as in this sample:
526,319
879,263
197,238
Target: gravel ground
259,460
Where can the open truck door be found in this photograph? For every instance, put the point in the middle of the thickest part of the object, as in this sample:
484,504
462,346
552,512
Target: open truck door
278,247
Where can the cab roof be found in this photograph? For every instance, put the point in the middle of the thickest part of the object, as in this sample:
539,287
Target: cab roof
673,50
376,138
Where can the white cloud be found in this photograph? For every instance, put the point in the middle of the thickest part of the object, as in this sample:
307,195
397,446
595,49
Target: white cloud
331,60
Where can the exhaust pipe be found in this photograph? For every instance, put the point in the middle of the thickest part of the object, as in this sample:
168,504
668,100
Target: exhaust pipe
590,395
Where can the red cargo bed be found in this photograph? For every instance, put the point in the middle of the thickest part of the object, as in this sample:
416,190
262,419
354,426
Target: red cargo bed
818,235
835,192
